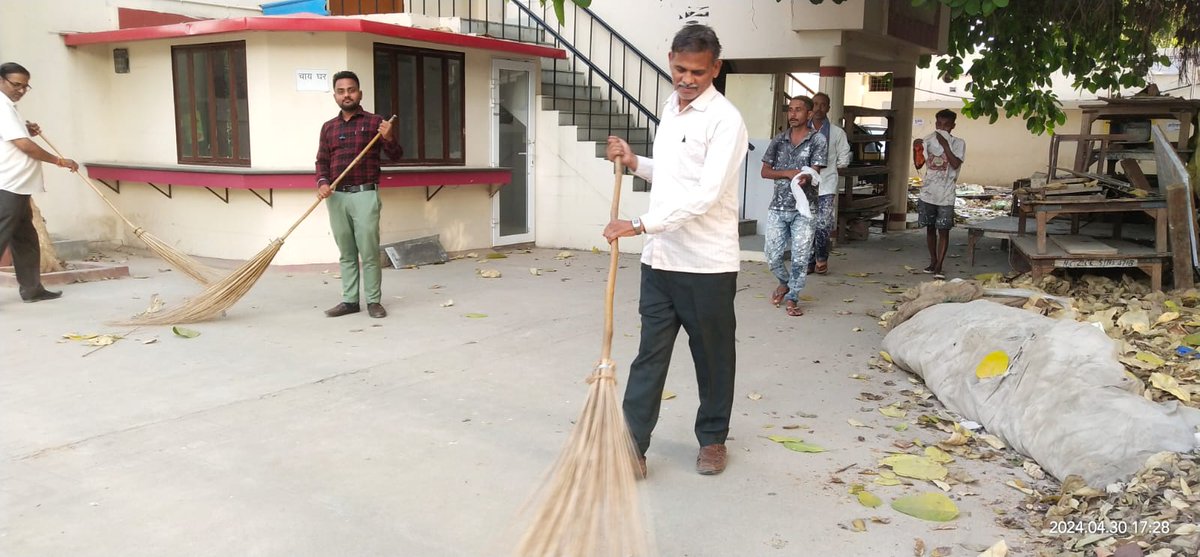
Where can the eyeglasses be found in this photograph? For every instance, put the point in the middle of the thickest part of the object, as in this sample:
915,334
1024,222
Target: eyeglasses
19,86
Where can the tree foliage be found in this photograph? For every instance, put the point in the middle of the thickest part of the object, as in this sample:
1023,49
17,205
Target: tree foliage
1011,49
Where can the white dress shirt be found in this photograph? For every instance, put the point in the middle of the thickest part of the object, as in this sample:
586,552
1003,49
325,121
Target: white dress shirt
19,173
839,157
692,223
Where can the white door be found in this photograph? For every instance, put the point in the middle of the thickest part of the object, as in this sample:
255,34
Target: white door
512,147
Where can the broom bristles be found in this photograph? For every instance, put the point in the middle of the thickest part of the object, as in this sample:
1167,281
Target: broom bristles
588,505
178,260
218,297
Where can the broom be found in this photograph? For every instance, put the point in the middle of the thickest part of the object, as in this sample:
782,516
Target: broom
589,504
177,259
220,296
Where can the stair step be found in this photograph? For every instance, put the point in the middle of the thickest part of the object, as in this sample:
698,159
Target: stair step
572,92
642,149
562,77
508,31
577,105
747,227
609,121
635,135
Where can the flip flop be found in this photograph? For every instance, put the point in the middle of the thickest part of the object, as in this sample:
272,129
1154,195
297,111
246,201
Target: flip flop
939,276
778,294
928,270
793,309
822,267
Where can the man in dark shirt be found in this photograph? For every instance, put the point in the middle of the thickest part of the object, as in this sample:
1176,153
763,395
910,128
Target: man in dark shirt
354,206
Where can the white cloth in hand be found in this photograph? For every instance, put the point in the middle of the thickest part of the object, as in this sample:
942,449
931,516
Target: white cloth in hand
798,191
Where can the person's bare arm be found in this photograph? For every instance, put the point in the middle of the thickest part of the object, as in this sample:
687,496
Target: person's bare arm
772,174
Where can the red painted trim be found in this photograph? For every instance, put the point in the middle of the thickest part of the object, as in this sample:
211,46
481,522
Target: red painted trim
128,18
392,177
904,82
832,71
309,24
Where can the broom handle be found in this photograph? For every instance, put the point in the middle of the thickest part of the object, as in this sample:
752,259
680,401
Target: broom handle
610,292
335,183
89,182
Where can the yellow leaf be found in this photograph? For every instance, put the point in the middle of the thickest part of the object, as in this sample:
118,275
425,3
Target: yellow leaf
1152,359
984,277
942,485
807,298
900,427
784,439
102,340
858,525
858,275
802,447
1169,384
668,395
1136,320
1167,316
886,357
475,315
868,499
937,455
185,332
489,273
855,423
887,481
892,412
1019,486
916,467
995,364
931,506
992,440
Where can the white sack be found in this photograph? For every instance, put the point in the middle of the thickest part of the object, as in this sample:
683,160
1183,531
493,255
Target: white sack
1065,400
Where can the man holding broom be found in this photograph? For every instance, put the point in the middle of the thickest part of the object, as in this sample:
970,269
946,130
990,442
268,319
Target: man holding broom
354,206
690,258
20,177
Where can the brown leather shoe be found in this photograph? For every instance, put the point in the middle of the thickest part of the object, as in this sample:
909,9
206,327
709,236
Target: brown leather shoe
344,308
376,310
711,459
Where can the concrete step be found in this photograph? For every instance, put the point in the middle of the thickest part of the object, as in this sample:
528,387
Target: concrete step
508,31
606,121
642,149
747,227
561,77
572,92
635,135
578,105
71,250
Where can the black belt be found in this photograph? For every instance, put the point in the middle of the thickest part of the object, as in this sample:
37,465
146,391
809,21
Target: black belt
357,188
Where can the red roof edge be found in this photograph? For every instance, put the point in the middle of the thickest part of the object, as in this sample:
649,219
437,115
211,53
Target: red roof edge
309,24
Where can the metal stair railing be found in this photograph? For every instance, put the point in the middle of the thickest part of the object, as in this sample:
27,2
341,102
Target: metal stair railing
609,64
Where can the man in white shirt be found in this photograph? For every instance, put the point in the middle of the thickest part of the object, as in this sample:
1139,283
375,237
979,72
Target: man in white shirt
691,257
839,157
941,154
20,178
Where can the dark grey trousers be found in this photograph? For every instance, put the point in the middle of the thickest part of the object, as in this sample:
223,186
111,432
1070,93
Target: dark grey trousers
16,230
703,305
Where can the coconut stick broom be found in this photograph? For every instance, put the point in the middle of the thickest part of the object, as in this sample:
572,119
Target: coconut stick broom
177,259
588,505
222,295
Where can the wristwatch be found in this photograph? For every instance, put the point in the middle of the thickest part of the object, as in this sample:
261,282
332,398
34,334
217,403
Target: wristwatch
637,225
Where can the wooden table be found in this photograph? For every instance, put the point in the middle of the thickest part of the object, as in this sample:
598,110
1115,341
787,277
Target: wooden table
1128,255
1044,210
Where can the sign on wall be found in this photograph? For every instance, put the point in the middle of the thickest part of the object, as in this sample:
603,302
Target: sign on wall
312,80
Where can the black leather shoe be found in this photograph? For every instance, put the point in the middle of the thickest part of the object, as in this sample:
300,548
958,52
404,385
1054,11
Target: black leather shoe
344,308
42,296
376,310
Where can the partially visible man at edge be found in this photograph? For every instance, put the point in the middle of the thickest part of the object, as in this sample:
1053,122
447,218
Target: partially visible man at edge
20,177
690,258
354,206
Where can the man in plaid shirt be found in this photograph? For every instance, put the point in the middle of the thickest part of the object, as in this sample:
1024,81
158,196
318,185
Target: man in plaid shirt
354,205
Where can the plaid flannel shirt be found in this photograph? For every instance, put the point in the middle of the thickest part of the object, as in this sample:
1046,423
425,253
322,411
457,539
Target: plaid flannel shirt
342,140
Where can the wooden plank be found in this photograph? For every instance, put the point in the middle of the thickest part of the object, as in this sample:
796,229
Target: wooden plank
1133,171
1083,245
1178,220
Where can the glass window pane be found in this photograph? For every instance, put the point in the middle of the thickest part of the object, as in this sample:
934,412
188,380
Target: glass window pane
455,128
223,127
406,107
434,98
200,83
184,112
243,105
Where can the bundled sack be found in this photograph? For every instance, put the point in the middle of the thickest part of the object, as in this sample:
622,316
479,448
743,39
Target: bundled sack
1064,401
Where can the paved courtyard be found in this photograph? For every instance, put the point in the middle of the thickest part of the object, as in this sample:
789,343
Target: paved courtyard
280,432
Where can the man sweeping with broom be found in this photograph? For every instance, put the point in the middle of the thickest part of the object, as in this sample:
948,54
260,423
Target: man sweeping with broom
691,257
20,177
354,205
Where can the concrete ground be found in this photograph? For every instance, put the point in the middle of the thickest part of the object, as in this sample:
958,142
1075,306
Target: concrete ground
280,432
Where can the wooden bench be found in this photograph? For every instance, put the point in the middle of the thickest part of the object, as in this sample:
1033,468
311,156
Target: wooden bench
1052,256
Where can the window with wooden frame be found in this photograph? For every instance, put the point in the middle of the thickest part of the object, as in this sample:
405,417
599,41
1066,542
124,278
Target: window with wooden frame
425,88
212,116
